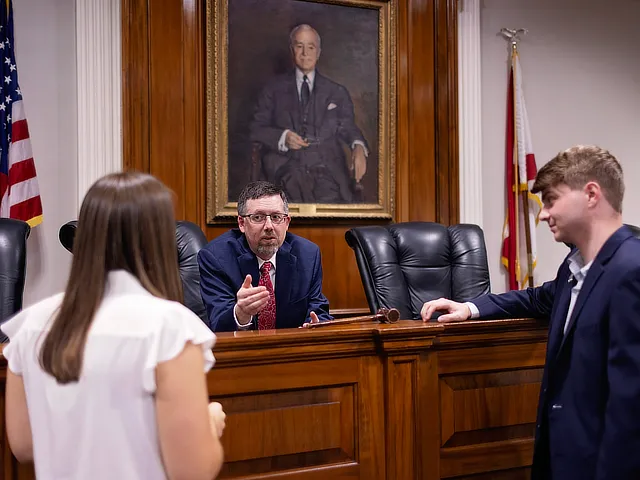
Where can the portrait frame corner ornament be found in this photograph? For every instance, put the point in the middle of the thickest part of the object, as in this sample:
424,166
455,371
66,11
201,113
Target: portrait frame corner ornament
219,208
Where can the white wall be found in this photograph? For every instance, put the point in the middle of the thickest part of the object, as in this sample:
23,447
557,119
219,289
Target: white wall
46,59
581,73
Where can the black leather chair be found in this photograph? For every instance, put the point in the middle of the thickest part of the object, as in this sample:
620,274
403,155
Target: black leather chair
406,264
13,266
190,240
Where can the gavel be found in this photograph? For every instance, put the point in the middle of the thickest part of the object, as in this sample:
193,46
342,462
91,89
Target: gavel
384,315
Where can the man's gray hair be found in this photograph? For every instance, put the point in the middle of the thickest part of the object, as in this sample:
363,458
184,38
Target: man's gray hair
304,26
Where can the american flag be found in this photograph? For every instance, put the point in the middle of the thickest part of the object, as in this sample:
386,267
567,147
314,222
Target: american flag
20,195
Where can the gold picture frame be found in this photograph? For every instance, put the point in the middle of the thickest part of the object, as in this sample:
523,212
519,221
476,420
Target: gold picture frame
378,200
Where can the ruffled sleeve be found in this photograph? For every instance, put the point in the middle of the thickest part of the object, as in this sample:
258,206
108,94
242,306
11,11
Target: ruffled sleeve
177,327
13,328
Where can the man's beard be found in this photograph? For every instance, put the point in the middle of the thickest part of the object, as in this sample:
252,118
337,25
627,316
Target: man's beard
267,250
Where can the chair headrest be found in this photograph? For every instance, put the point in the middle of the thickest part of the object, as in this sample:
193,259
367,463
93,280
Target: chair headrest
67,233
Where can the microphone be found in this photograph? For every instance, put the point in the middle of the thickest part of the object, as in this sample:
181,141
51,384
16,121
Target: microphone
572,280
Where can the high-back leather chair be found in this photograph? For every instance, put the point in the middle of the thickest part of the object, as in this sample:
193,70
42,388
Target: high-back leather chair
189,239
13,266
406,264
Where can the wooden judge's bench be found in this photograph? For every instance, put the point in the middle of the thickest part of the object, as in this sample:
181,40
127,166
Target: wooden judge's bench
374,401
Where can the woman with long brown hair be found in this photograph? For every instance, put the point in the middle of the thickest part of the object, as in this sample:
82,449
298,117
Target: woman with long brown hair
105,381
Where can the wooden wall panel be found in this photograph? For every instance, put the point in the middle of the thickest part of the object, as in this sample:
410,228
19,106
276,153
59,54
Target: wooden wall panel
135,83
470,459
322,430
167,97
330,412
488,406
402,373
164,127
512,474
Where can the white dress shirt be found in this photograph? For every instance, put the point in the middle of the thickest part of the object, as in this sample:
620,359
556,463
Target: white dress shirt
311,77
578,273
104,426
272,276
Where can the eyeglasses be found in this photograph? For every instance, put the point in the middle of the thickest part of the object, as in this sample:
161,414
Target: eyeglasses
261,218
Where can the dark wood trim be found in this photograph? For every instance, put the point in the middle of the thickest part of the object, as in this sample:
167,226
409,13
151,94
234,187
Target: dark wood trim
446,91
403,99
348,312
193,38
135,85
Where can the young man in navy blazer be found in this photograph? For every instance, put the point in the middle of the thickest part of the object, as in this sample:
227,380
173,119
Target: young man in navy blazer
588,424
260,276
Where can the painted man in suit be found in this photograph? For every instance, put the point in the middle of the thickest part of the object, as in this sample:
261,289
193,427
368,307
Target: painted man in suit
260,276
302,120
589,410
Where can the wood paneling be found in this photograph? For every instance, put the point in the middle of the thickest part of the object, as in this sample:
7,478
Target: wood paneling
369,401
470,403
487,457
512,474
164,127
135,83
402,373
321,429
492,358
488,398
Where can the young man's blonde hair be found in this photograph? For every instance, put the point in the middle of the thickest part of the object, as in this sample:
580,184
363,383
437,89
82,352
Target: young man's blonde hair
577,166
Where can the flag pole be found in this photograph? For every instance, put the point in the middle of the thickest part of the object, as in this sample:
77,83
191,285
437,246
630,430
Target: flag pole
527,229
516,167
524,192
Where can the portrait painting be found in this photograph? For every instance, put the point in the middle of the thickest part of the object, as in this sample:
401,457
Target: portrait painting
302,94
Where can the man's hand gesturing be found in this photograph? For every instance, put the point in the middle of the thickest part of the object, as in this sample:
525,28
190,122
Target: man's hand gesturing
250,300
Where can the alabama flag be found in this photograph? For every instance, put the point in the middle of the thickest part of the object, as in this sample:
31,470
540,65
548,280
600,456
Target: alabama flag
519,253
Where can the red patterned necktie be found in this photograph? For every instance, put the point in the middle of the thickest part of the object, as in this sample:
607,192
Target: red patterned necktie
267,316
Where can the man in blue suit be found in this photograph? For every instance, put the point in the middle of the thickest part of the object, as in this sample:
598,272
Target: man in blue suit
260,276
589,410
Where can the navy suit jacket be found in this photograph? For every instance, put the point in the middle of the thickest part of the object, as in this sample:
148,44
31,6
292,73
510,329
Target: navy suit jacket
589,410
227,260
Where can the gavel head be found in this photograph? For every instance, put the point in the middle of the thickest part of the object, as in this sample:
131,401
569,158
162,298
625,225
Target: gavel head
388,315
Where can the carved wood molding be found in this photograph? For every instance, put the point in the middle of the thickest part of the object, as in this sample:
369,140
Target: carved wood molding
405,337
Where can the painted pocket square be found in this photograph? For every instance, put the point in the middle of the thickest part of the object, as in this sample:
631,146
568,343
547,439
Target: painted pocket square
332,106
